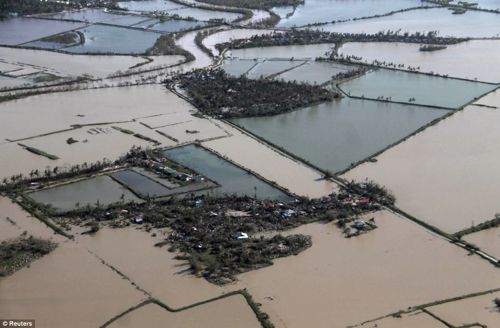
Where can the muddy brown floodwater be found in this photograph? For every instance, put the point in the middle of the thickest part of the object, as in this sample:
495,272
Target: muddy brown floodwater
480,309
68,287
132,252
487,240
339,282
78,65
96,112
20,221
446,174
449,61
230,312
412,320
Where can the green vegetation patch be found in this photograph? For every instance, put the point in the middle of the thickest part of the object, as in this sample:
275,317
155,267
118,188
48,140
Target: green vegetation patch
493,223
496,301
18,253
254,4
39,152
165,45
137,135
25,7
309,36
217,94
244,255
63,38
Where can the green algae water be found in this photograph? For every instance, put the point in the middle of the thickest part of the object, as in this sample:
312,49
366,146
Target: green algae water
335,134
233,180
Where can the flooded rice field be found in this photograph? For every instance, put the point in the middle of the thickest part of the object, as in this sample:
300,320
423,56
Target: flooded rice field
19,221
225,313
93,15
310,51
413,320
238,67
153,268
272,67
480,309
77,65
11,82
70,279
487,240
232,179
456,154
414,88
15,31
338,133
93,144
449,61
176,25
147,186
6,67
271,164
90,122
324,11
490,100
100,190
314,72
193,130
172,8
345,286
150,5
108,105
476,24
114,40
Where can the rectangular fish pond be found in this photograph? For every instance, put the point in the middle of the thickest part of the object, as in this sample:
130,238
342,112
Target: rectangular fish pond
272,67
114,40
473,23
315,72
323,11
179,10
308,51
415,88
145,184
94,15
238,67
101,189
18,30
335,134
231,178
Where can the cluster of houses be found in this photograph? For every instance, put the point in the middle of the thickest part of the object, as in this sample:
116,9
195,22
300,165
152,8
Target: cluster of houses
359,227
165,170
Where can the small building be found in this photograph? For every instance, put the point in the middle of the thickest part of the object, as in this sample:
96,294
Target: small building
197,202
183,177
360,225
138,220
241,235
362,200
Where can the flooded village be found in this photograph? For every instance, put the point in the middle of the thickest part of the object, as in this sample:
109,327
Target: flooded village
243,163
